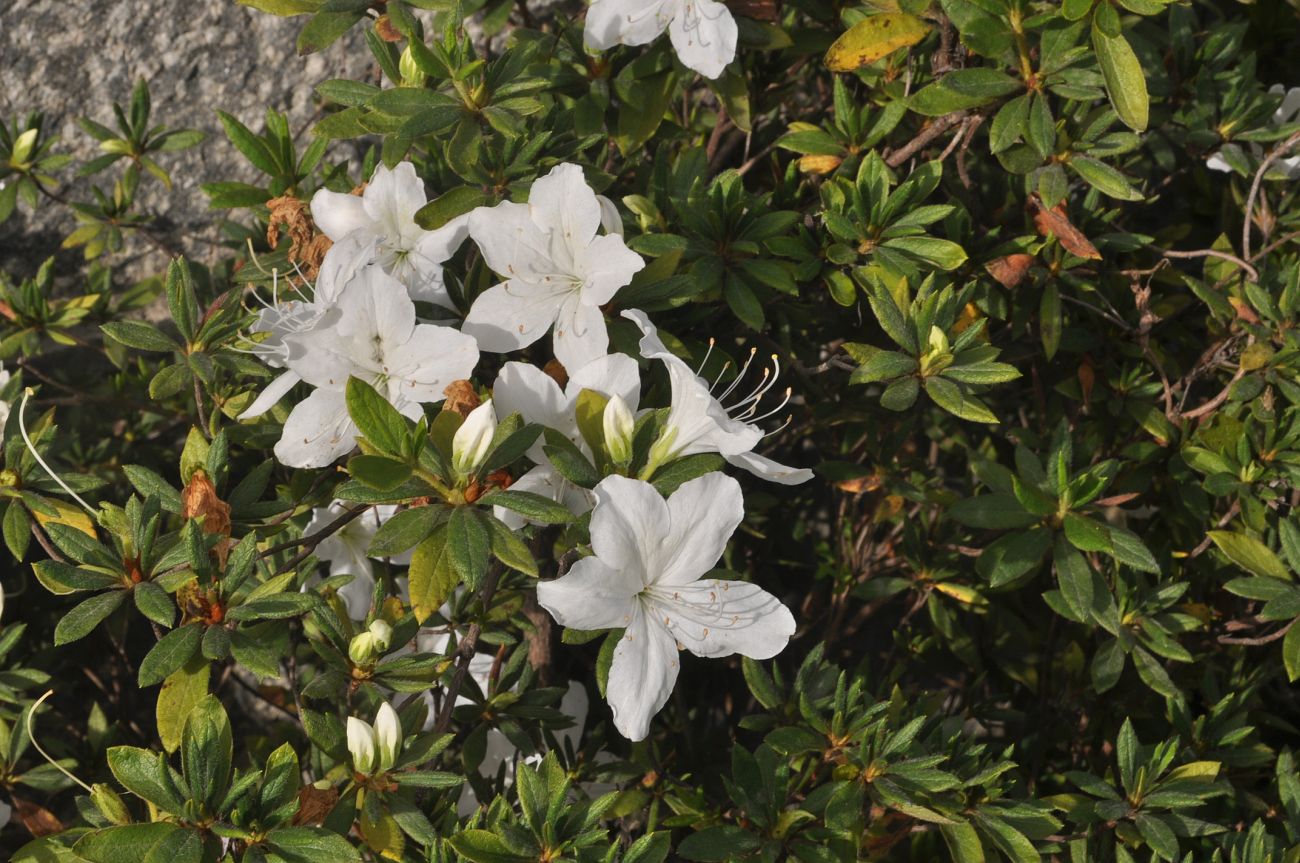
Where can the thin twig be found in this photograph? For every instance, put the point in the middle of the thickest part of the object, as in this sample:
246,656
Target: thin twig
1214,403
465,653
1263,639
310,542
1214,253
1278,152
924,137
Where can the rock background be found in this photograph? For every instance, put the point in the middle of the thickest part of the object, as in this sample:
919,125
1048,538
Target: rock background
73,58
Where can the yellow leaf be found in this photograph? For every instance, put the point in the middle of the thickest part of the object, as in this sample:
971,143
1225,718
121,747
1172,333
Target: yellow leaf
183,689
383,836
873,38
1196,771
70,515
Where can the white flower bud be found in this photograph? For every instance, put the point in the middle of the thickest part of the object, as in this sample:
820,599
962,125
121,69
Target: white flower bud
617,422
388,736
472,440
382,634
410,70
362,649
361,745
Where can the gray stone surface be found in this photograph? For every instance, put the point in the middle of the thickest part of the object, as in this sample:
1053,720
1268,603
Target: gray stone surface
71,58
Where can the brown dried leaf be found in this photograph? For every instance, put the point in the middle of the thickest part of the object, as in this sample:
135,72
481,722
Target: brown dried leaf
1010,270
1087,379
759,10
385,30
557,372
461,398
199,500
859,484
38,820
314,804
1055,223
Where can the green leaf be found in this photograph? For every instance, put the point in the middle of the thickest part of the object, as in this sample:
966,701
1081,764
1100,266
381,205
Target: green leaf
963,89
405,529
450,205
324,29
154,603
132,843
993,511
963,843
468,543
432,576
533,507
85,616
377,420
482,846
957,402
139,335
718,843
171,652
1125,83
1104,178
252,146
379,472
1291,652
141,772
1250,554
310,845
207,750
508,548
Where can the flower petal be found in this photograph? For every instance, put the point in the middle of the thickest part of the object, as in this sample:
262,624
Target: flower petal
704,513
317,431
704,35
641,675
630,526
391,200
533,394
591,595
610,375
626,22
433,357
512,244
563,204
717,617
765,468
270,395
426,260
580,333
338,215
607,265
513,315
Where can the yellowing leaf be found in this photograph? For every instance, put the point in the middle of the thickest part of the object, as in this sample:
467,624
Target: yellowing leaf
182,690
70,515
873,38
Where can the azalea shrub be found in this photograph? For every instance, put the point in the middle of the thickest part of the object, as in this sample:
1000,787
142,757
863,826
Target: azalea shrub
671,429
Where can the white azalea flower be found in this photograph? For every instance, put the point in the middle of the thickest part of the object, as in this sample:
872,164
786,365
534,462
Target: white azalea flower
373,336
347,551
534,395
646,577
698,422
385,215
361,746
558,271
1287,112
703,32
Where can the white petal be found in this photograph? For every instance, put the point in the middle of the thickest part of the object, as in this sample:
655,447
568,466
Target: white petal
338,215
651,346
359,593
431,359
533,394
591,595
765,468
343,261
317,431
626,22
607,265
562,203
388,735
717,617
513,315
703,512
391,199
427,258
704,35
629,526
1216,162
271,393
610,375
610,218
641,675
511,242
361,745
580,333
1290,104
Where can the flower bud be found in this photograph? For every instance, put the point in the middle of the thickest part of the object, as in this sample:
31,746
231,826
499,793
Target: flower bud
410,70
362,650
617,423
382,634
473,439
361,746
388,736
